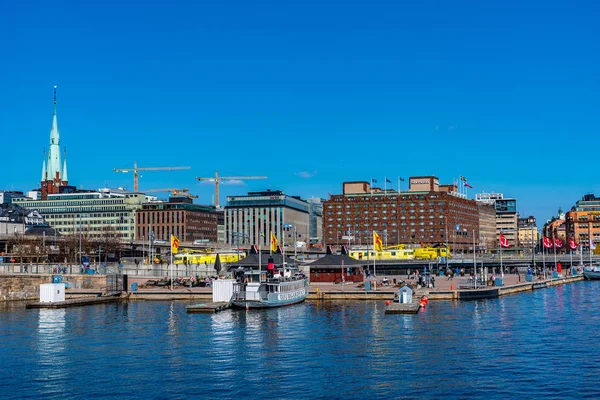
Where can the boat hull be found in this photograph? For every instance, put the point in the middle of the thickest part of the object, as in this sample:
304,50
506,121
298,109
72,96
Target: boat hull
267,303
269,294
592,275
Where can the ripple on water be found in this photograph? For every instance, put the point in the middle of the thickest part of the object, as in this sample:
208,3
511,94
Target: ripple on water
531,345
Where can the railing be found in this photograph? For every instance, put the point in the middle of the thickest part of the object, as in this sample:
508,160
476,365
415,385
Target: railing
154,271
472,283
245,295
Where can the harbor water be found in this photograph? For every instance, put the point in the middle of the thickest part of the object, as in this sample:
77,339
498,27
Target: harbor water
539,344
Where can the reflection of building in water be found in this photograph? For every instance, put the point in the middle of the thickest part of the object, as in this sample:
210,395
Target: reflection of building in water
52,345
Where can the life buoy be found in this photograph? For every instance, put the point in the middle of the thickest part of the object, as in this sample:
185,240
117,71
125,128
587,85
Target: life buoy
424,301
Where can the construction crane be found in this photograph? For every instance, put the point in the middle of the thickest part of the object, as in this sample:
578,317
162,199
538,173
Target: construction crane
135,170
217,179
175,192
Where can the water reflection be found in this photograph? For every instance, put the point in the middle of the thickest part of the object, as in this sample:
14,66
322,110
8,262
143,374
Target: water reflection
489,348
52,350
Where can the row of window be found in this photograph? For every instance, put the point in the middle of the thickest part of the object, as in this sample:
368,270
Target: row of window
158,217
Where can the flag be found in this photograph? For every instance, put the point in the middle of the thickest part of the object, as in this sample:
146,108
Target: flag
377,243
174,244
547,242
469,186
401,179
373,180
387,180
504,241
462,178
558,243
572,244
274,242
592,244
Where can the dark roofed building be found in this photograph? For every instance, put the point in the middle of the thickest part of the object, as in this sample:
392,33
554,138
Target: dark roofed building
329,268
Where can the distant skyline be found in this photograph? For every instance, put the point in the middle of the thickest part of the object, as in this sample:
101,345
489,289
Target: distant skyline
310,94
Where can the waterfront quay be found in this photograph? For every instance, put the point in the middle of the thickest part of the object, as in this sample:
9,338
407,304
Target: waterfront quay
25,287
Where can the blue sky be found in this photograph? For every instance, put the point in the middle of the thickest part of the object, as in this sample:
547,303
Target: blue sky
309,93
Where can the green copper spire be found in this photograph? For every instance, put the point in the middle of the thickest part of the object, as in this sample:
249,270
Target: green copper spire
53,166
44,166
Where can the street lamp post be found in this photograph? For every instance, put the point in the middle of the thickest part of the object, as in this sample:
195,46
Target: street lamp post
80,264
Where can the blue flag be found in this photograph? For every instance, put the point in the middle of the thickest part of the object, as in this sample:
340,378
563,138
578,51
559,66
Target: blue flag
373,180
387,180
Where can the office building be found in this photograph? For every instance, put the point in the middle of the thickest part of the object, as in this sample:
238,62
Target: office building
179,217
251,219
506,215
528,235
97,214
582,223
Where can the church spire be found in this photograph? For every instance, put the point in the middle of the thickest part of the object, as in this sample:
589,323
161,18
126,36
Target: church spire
64,175
44,166
53,166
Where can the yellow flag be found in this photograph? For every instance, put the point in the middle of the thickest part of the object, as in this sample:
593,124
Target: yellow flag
174,244
377,243
274,242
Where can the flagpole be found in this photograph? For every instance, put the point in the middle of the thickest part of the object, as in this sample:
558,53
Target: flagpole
384,184
474,260
544,259
501,265
374,267
555,264
571,254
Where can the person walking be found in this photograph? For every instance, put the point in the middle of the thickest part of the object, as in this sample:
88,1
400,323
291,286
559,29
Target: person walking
433,281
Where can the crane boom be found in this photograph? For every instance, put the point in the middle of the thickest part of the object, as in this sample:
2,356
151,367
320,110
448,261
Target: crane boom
175,192
172,190
218,179
135,170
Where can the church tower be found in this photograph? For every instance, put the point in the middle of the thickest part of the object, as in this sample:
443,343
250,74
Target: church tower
53,177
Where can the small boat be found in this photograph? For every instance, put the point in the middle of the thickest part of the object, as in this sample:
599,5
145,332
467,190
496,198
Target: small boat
591,273
254,289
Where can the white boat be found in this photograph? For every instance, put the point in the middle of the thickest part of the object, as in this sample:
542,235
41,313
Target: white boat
591,273
263,290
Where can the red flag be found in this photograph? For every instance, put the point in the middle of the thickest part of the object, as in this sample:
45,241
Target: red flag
469,186
547,242
504,241
558,243
572,244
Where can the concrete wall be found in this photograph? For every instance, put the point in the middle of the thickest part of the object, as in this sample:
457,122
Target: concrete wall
27,287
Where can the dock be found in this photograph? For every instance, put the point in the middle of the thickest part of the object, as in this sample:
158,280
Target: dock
402,308
86,301
208,308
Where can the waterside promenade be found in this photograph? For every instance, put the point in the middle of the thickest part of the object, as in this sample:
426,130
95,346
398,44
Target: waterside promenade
26,287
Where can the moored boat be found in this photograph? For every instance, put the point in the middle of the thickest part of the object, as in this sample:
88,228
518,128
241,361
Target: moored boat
255,290
591,273
280,284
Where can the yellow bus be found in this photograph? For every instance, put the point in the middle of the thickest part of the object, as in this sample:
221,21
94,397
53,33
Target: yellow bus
207,258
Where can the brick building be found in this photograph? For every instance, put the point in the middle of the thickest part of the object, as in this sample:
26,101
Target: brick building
428,213
177,217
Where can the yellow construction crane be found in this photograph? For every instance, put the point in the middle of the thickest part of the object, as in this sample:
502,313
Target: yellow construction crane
171,190
175,192
135,170
217,179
